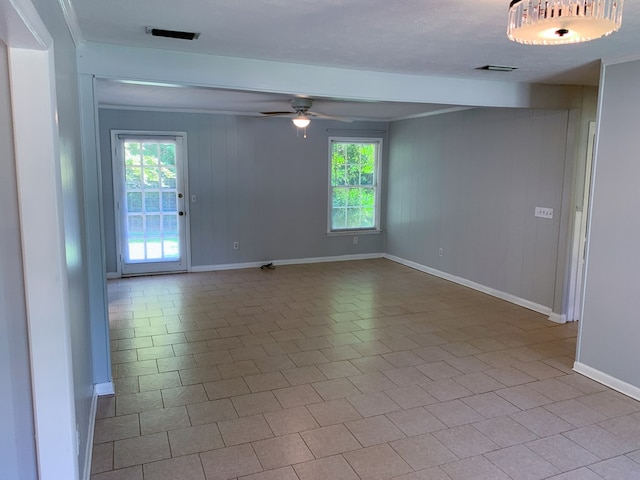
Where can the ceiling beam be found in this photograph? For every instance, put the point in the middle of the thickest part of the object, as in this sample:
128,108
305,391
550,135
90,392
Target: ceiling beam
162,66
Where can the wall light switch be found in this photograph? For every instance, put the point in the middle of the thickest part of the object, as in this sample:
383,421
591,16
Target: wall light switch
544,212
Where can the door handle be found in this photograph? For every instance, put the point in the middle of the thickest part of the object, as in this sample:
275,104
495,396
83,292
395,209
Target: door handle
181,213
180,195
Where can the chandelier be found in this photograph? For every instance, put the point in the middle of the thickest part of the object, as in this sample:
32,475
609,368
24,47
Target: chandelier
553,22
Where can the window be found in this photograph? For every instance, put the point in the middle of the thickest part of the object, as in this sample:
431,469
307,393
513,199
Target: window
353,184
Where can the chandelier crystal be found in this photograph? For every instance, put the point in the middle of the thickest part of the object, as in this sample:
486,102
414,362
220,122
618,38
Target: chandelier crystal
553,22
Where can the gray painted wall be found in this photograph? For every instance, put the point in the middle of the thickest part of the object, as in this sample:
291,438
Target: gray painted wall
17,446
94,239
468,182
73,206
610,329
256,181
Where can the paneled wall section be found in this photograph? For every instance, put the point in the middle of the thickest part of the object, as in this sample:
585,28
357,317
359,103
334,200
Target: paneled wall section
256,181
468,183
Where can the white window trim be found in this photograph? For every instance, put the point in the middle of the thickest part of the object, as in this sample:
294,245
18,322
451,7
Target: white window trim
378,176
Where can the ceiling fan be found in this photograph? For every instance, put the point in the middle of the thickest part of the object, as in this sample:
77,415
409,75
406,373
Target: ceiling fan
301,116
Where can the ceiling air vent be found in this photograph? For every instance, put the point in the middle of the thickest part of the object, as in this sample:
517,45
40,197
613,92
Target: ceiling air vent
497,68
159,32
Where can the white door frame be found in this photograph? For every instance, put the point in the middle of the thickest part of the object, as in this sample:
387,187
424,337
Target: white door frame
117,196
34,110
576,284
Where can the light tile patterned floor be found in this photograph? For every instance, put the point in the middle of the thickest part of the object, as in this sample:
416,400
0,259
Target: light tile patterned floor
344,371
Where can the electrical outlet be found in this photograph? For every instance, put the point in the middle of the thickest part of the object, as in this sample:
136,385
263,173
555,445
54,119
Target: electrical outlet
355,240
542,212
236,245
440,252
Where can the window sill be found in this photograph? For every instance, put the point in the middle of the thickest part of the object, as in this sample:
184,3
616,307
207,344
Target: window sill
340,233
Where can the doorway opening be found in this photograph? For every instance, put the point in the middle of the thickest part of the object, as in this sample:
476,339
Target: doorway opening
580,224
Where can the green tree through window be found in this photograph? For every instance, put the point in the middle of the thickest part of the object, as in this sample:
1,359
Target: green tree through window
354,184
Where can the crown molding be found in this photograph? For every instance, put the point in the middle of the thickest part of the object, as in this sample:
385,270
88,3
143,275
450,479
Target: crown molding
72,22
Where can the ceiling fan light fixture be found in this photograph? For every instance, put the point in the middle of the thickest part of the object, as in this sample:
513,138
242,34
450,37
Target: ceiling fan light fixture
556,22
301,121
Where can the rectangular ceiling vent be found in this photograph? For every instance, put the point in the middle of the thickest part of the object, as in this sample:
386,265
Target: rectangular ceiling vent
159,32
497,68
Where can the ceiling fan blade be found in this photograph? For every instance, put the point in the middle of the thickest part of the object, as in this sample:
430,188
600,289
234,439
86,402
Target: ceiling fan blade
329,117
275,114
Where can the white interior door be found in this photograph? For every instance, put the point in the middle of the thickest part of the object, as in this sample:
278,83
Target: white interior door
149,172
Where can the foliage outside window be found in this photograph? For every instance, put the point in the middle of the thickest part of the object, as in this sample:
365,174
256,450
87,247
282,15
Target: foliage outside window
353,195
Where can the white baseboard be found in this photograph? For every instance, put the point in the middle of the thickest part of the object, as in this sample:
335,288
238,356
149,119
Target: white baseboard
606,379
88,451
102,389
99,390
291,261
558,317
536,307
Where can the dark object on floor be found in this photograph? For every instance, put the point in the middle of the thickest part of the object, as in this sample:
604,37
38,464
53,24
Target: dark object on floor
268,266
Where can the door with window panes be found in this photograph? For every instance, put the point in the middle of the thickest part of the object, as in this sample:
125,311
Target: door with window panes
149,172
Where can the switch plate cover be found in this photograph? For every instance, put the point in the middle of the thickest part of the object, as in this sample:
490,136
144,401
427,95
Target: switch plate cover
543,212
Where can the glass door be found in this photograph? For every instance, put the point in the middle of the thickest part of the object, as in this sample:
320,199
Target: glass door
150,204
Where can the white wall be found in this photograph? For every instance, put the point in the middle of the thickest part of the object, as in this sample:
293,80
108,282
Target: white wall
17,446
468,182
256,182
608,342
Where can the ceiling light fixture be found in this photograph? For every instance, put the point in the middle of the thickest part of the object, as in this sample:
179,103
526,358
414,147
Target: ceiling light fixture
301,121
554,22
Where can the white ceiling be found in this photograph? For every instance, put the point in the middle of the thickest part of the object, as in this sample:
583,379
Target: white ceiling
420,37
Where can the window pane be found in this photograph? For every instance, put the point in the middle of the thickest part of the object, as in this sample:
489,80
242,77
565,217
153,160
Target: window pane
339,218
168,154
168,179
353,174
132,153
150,153
368,197
368,217
154,248
135,225
353,217
354,197
153,224
133,177
169,201
170,224
134,202
152,201
340,197
338,175
366,178
151,179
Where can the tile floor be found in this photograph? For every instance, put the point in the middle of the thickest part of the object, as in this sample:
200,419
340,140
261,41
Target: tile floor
357,370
